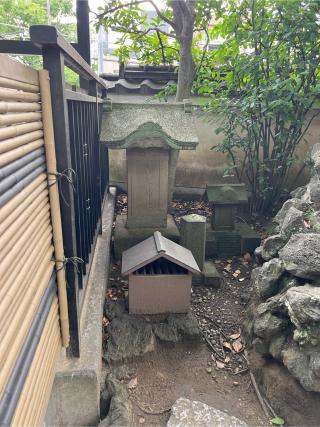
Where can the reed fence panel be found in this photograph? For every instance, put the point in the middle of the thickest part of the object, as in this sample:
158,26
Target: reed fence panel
33,306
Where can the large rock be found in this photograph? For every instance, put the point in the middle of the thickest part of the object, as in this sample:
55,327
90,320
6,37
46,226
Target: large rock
272,245
301,255
276,346
128,337
115,401
303,303
177,327
312,193
298,192
266,324
315,156
283,212
286,395
293,222
190,413
304,364
265,279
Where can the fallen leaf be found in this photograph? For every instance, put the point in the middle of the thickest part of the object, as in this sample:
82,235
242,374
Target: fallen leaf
227,359
227,345
229,261
277,421
133,383
235,336
220,365
237,346
141,420
235,274
238,271
227,267
306,224
241,279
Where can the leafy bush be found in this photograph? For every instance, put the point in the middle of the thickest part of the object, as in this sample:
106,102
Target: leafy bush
269,66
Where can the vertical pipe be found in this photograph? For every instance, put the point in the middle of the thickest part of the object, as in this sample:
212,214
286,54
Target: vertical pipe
54,203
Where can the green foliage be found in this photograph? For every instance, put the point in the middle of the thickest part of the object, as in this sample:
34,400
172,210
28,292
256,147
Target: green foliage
152,41
166,92
264,80
150,46
277,421
17,15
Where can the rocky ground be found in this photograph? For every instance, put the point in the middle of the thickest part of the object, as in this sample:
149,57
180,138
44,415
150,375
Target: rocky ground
261,326
212,369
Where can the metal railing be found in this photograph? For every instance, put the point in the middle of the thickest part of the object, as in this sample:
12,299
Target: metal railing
76,122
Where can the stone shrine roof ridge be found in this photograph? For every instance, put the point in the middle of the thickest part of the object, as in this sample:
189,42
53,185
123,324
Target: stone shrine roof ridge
128,123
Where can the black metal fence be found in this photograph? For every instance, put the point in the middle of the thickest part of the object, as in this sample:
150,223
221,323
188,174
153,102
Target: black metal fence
76,122
89,165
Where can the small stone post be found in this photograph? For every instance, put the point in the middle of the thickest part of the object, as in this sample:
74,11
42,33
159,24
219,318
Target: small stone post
193,236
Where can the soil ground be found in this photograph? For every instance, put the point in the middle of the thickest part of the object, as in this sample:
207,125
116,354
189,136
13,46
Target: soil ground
214,371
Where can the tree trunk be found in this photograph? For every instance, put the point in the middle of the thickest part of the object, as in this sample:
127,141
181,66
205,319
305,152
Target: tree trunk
186,70
184,17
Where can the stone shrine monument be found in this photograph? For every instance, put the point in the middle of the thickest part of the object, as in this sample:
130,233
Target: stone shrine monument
152,135
226,236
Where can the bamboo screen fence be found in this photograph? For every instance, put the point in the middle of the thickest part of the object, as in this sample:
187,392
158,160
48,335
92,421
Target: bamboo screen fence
33,307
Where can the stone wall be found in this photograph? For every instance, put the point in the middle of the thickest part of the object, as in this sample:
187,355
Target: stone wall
284,319
205,166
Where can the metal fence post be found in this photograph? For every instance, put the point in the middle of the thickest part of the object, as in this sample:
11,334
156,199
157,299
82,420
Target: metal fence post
53,61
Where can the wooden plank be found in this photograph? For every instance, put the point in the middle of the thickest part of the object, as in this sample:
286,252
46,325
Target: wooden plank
14,70
78,96
45,36
19,47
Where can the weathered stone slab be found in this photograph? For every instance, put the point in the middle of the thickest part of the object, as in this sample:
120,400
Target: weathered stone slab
266,278
304,365
193,236
301,255
125,237
210,276
303,304
190,413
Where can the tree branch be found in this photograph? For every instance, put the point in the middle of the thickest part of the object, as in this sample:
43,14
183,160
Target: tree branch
121,6
204,50
142,33
134,3
161,47
161,15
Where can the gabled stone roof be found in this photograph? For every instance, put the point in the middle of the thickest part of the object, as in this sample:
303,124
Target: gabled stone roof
128,123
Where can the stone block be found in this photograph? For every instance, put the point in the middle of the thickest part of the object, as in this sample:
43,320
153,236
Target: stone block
191,413
193,236
125,237
228,242
211,243
210,276
231,242
250,239
75,396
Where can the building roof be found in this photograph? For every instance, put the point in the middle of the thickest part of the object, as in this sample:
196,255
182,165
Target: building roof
156,247
227,194
128,123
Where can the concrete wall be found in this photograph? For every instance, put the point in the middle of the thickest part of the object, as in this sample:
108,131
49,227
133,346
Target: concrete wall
204,166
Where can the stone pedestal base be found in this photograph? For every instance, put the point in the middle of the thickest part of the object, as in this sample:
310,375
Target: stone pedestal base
231,243
125,237
209,277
